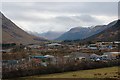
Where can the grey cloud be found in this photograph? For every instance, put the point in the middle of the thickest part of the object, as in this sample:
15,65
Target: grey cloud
68,14
77,20
88,18
106,8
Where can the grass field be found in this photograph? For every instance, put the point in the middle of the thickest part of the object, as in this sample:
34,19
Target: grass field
110,72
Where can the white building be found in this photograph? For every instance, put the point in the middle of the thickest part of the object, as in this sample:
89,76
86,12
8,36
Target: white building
92,46
54,44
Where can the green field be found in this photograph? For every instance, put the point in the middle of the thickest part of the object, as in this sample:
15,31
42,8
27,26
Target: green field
110,72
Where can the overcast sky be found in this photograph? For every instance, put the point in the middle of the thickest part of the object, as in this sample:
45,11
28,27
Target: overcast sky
59,16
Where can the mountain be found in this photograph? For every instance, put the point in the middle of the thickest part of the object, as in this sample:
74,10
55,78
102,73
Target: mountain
84,32
12,33
50,35
109,34
74,33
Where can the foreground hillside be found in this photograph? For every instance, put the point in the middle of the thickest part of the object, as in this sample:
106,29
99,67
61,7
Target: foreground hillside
12,33
110,72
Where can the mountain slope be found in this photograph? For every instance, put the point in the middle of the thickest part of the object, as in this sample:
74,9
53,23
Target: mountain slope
109,34
82,32
12,33
74,33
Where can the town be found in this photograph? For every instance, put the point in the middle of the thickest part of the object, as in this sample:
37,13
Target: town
58,54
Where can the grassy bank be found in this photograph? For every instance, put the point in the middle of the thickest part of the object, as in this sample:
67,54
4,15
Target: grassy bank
110,72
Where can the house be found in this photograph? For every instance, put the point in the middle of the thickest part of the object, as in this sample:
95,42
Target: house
92,46
94,57
104,45
5,51
112,55
54,44
104,57
38,59
50,59
117,42
80,56
10,62
34,46
67,58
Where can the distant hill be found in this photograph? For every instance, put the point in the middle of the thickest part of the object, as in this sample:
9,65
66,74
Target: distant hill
74,33
50,35
12,33
84,32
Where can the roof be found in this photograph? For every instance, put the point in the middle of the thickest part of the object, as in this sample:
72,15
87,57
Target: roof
116,42
78,54
34,46
40,57
48,56
53,44
94,55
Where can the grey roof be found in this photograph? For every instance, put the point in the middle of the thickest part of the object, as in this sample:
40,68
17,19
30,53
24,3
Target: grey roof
78,54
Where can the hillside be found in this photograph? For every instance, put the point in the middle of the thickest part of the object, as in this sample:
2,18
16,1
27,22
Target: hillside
74,33
82,33
12,33
109,34
109,72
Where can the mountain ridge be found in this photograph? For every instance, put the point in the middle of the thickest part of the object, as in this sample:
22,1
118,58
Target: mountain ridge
84,32
12,33
110,34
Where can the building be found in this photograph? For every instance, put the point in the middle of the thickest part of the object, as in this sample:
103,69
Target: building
50,59
54,44
79,56
34,46
105,45
94,57
38,59
112,55
5,51
93,46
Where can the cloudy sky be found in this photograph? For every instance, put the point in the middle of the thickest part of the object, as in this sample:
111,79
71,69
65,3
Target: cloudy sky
59,16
